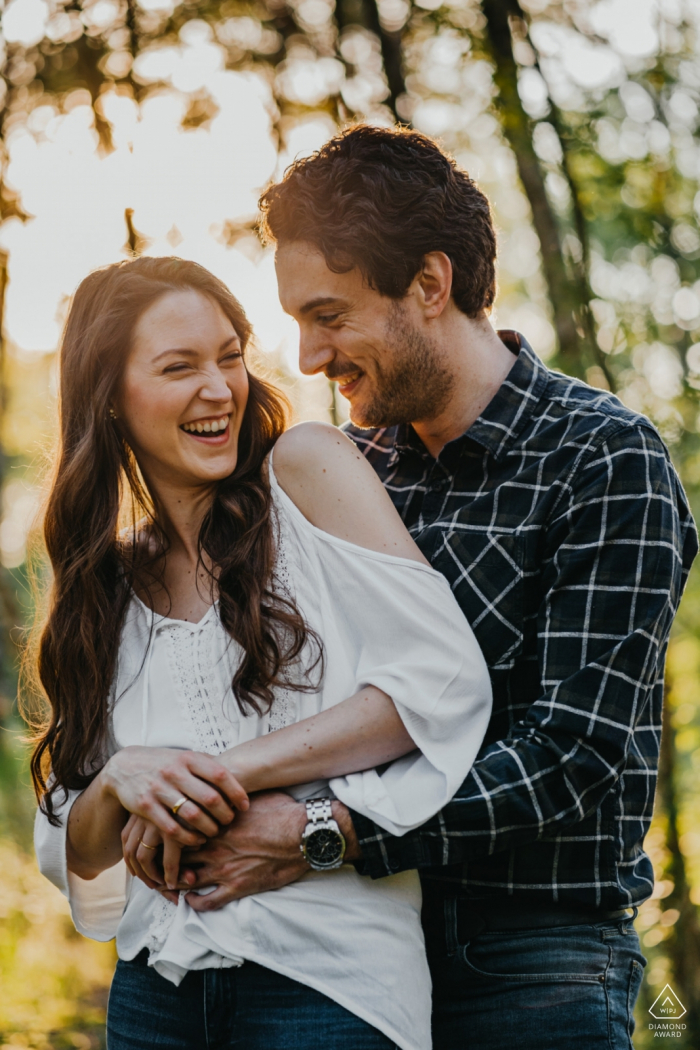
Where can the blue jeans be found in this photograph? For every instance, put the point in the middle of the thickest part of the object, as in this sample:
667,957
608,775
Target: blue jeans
245,1008
557,988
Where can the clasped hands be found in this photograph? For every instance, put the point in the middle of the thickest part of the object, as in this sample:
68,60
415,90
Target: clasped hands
220,837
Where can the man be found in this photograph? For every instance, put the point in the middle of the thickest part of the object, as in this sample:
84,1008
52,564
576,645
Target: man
562,527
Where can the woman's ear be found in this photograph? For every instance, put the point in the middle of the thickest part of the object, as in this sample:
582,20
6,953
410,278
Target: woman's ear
434,284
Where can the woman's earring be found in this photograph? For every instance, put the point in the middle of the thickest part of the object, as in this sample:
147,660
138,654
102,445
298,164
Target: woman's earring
112,414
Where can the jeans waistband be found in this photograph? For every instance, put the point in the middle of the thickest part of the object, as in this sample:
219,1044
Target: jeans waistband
470,917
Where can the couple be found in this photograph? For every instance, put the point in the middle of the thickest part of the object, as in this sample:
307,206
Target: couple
360,712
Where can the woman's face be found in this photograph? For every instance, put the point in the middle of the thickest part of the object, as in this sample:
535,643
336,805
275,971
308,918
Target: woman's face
184,391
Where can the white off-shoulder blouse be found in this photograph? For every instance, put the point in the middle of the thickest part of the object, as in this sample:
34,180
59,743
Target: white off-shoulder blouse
384,621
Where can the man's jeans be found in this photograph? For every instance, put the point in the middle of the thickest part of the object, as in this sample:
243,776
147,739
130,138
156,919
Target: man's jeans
557,988
244,1008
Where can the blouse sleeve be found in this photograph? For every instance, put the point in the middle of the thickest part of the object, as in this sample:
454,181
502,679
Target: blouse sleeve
97,904
400,629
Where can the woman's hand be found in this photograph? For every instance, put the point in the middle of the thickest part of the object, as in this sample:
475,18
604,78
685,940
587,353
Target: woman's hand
149,781
152,858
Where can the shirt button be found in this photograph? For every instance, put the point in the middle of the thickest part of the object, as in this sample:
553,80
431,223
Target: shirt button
439,486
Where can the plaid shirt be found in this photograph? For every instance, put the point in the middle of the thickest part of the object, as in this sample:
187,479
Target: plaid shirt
567,539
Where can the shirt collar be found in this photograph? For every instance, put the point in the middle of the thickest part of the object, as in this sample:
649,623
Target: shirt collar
506,414
513,405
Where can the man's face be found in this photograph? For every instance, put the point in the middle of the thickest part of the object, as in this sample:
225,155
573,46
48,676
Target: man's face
377,349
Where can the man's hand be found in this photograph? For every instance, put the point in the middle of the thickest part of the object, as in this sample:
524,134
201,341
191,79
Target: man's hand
258,852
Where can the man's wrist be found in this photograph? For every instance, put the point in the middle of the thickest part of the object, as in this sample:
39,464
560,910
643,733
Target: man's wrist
341,814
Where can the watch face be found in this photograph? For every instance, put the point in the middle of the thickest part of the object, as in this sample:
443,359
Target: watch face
324,846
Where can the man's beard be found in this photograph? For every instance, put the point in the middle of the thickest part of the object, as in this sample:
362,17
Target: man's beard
414,384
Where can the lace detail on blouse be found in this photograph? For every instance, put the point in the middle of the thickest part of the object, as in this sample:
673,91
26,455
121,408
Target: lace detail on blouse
163,918
283,711
284,707
194,661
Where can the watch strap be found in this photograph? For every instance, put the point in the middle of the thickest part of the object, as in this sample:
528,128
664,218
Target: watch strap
318,809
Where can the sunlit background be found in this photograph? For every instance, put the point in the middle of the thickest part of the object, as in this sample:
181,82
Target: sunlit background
177,115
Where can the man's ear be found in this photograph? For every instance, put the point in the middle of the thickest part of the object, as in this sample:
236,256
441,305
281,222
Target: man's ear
434,284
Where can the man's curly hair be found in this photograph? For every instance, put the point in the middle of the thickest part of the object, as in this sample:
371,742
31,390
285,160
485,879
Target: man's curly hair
380,199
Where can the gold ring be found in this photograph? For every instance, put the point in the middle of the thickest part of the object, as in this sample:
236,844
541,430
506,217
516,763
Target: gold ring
180,802
146,845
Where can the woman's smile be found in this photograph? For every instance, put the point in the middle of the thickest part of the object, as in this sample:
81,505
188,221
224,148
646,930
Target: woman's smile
209,431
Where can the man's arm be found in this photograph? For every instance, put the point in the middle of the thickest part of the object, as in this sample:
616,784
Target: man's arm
258,852
616,562
613,573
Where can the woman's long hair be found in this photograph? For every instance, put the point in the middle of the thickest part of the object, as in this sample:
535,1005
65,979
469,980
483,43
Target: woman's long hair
95,568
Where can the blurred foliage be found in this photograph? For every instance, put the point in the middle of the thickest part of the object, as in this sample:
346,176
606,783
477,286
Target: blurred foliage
53,981
582,130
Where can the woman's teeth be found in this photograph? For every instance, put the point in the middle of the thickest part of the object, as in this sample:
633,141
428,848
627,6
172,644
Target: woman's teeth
207,428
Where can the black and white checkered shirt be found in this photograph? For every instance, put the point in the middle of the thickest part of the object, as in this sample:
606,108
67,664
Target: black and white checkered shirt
566,536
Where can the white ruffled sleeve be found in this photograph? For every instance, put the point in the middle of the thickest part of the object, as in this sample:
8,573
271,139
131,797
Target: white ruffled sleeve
97,904
400,629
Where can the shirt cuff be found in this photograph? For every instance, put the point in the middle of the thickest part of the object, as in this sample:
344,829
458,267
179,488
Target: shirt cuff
384,854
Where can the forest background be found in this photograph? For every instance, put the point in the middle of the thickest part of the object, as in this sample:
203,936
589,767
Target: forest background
130,126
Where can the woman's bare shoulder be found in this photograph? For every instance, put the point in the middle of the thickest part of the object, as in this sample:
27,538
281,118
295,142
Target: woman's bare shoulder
336,489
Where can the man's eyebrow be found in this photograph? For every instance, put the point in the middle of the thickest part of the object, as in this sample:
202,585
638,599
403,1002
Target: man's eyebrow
323,300
189,352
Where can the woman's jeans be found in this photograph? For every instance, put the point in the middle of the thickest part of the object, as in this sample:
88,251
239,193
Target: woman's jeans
243,1008
555,988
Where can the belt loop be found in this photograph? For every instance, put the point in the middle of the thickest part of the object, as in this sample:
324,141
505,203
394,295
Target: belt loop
451,938
625,925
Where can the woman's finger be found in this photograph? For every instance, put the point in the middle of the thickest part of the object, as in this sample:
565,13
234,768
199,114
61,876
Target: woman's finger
204,808
180,781
171,862
190,813
160,814
149,854
131,855
130,841
190,784
211,770
127,831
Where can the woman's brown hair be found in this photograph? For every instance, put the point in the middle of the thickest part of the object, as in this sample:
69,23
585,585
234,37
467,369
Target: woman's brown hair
95,569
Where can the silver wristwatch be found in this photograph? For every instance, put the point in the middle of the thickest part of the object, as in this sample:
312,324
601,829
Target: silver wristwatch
322,843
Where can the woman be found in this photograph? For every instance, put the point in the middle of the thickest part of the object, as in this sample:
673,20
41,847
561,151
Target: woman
248,592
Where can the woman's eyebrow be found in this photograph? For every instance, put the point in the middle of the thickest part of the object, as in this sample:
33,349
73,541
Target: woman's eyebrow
193,353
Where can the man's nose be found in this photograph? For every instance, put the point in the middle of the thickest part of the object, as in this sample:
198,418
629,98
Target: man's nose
315,352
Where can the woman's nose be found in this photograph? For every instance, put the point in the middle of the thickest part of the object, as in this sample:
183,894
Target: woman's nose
215,387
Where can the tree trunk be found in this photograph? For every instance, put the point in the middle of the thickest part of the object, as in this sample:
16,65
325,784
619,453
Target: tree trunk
683,946
392,54
517,129
8,604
